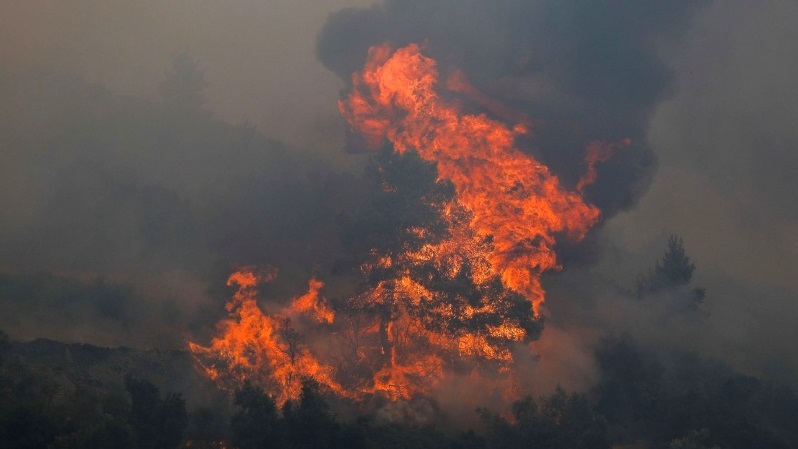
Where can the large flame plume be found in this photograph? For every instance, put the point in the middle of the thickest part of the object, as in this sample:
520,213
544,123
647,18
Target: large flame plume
457,299
512,197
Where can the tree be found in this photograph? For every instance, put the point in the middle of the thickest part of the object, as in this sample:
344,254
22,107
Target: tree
106,433
673,271
157,423
290,339
310,423
411,209
560,421
406,195
675,268
207,428
255,423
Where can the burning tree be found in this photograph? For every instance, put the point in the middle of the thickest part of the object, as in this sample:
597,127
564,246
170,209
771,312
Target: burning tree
450,245
428,287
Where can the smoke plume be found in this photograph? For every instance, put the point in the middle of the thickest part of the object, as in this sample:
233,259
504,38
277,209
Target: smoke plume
582,71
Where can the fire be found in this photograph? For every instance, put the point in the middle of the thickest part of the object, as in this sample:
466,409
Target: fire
266,349
314,305
598,152
513,198
458,300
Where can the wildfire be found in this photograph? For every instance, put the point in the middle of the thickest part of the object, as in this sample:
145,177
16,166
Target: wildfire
512,197
461,299
598,152
265,349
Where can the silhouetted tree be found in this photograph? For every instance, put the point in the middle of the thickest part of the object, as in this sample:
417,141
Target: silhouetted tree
290,340
105,433
673,271
207,428
255,424
560,421
157,423
310,423
406,196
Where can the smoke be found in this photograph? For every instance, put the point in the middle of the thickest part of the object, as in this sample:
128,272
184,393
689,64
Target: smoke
739,323
155,197
727,155
713,111
416,413
582,71
120,220
258,56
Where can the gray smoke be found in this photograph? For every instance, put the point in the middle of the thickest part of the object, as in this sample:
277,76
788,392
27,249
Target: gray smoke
583,71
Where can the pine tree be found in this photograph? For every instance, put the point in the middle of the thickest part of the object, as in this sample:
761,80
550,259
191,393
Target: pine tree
675,268
673,271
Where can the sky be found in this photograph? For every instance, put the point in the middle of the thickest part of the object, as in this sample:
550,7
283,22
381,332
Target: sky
727,150
258,56
711,106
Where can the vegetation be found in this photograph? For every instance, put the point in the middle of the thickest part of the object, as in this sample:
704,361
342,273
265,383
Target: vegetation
643,398
37,411
168,205
672,273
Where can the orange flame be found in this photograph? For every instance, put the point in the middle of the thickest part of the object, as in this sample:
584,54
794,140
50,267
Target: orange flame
262,348
598,152
513,198
399,337
314,305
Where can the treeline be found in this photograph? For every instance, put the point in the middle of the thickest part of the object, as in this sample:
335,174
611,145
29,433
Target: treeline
38,412
644,398
106,196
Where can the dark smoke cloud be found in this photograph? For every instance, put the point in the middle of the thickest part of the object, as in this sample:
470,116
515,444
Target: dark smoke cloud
583,70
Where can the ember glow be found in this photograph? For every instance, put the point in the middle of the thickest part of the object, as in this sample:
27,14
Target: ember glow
456,301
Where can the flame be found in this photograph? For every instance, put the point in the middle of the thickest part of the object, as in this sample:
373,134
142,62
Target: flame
512,197
598,152
263,348
461,301
313,304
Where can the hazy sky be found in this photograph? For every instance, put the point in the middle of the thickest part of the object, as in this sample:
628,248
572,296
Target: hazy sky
728,150
259,55
726,138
